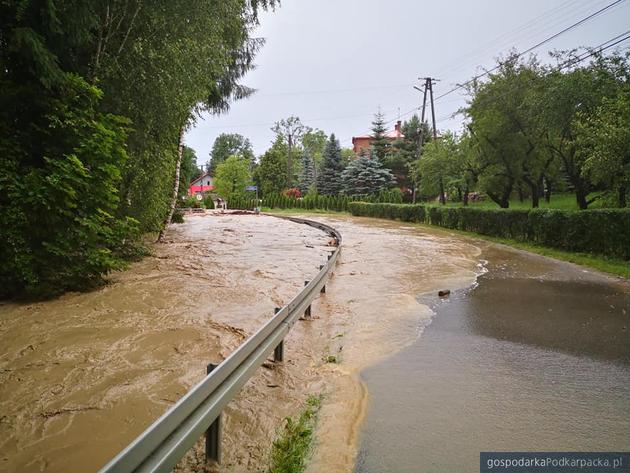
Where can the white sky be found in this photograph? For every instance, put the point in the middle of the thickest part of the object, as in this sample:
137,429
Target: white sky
333,63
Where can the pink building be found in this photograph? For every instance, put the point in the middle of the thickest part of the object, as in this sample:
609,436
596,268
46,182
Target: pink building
204,183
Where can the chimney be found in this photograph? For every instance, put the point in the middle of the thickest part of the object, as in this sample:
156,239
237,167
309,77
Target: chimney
397,127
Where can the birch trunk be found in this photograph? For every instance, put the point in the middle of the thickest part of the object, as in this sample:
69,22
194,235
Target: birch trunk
180,153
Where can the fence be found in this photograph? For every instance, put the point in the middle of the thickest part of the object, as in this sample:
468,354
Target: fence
160,447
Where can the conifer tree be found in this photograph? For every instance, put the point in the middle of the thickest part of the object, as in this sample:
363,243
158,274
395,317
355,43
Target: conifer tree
380,144
366,175
307,176
329,180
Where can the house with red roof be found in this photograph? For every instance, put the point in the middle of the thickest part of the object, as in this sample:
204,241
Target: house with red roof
365,142
204,183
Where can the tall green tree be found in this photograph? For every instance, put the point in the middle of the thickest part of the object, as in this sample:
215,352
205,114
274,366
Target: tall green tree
380,143
606,136
291,130
270,173
307,176
232,176
572,93
329,179
314,143
83,65
229,144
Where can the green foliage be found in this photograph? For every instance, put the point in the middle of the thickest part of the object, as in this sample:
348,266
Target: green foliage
380,145
231,177
307,176
329,179
366,175
290,131
229,144
271,172
606,134
79,181
60,176
604,232
292,447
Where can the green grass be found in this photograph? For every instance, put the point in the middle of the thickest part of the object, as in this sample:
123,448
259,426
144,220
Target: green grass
612,266
291,449
558,201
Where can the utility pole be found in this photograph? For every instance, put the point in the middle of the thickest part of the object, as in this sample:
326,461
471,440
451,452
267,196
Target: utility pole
428,86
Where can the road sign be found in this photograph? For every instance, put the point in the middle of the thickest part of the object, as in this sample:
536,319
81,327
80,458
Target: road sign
251,188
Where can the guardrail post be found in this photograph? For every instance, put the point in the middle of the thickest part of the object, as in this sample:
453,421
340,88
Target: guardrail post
213,434
278,352
323,289
307,312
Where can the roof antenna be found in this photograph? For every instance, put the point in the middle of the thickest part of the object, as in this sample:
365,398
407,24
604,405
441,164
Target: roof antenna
398,113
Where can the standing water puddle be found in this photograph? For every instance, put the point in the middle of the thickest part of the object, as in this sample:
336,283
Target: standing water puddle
536,357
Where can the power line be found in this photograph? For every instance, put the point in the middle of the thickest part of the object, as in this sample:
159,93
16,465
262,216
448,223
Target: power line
537,45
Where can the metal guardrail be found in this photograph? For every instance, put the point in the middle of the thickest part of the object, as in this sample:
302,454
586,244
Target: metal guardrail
161,446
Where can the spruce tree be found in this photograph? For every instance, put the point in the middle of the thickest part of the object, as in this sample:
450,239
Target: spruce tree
307,176
329,180
380,144
366,176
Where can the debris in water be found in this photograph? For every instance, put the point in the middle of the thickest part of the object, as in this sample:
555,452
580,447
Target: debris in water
444,292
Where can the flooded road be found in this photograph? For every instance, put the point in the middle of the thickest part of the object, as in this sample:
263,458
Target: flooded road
82,375
536,357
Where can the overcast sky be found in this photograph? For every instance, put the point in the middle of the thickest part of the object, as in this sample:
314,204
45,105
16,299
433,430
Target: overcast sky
333,63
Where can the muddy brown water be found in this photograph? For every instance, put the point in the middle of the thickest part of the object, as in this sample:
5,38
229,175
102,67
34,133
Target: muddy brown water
534,357
83,375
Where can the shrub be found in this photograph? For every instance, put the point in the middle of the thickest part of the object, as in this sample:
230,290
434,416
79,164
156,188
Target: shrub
605,232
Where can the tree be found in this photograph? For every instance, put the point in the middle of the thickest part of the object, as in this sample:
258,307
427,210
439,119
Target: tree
572,92
291,130
366,176
232,176
380,144
329,179
229,144
314,143
500,129
307,177
270,173
606,134
404,153
449,166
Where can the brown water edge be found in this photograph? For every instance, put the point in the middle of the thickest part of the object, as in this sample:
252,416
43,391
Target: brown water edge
383,265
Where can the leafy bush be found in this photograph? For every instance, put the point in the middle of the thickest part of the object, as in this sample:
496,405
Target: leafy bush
59,222
605,232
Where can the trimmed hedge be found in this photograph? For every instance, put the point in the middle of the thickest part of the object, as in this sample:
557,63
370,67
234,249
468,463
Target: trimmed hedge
337,203
605,232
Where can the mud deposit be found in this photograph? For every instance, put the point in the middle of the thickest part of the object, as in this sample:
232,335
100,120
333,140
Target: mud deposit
83,375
